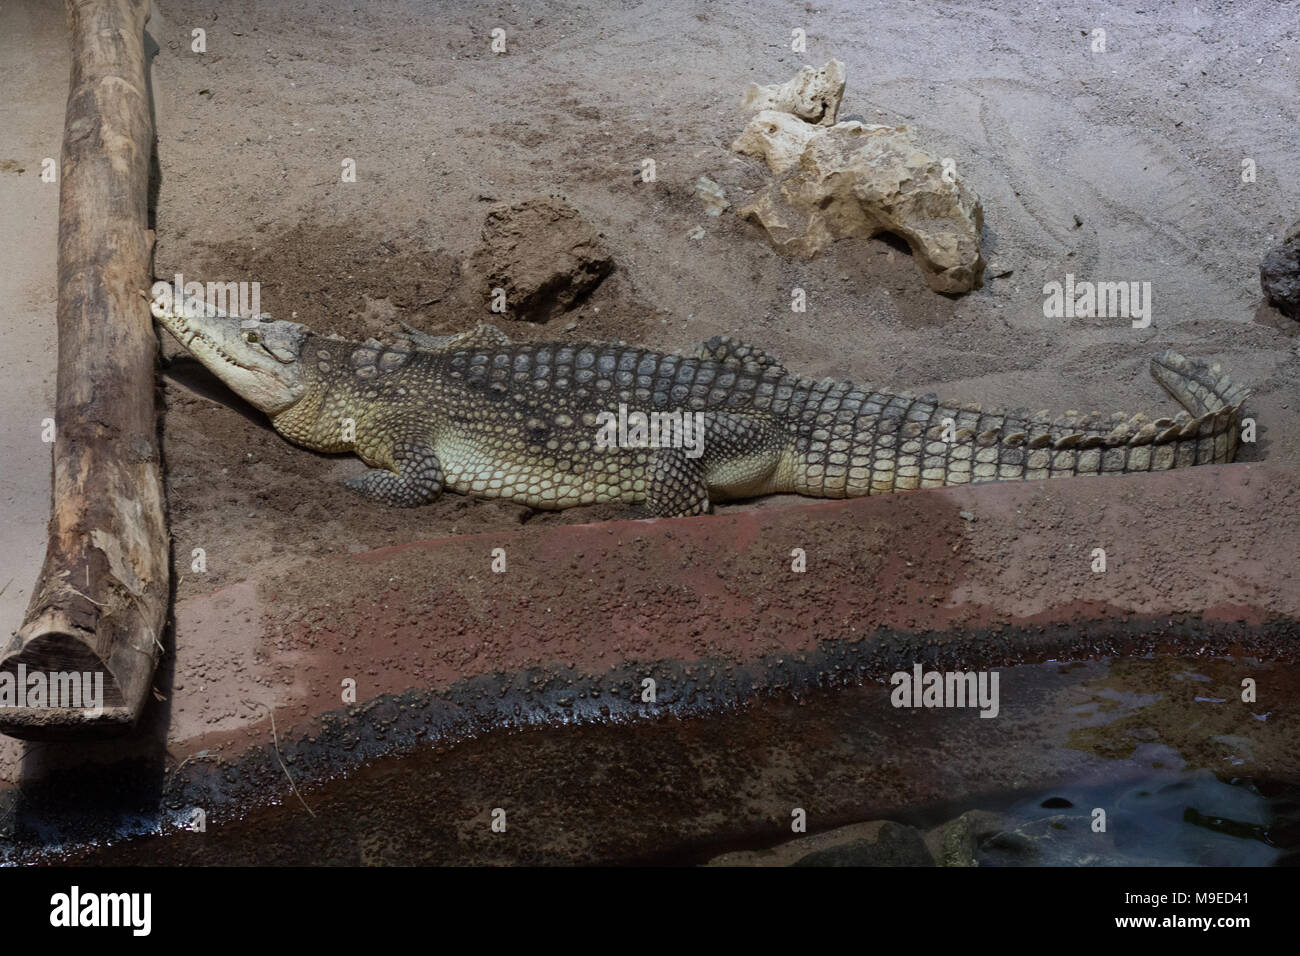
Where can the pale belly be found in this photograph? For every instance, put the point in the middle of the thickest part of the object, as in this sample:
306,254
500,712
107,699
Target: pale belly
549,483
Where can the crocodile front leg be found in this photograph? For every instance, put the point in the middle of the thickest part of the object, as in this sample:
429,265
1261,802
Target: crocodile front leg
722,348
483,336
415,479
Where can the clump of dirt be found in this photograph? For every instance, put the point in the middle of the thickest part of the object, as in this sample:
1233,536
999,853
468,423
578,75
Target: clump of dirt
542,254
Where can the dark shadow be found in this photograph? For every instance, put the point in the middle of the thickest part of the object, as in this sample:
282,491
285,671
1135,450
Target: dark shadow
895,242
151,50
192,374
1273,318
898,244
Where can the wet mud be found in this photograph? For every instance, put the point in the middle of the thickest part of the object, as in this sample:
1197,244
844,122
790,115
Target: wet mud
588,773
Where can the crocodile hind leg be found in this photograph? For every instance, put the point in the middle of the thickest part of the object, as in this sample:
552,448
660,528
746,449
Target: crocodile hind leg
675,486
731,456
416,477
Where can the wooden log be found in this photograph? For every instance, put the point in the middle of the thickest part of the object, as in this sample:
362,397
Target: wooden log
101,599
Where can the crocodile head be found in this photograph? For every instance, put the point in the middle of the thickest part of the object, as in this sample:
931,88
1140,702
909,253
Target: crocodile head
259,358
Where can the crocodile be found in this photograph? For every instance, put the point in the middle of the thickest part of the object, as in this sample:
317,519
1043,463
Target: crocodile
477,414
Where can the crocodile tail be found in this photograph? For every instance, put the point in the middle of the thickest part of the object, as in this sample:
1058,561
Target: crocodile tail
1208,394
1201,387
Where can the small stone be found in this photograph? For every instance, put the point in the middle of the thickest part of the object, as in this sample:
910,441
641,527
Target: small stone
712,195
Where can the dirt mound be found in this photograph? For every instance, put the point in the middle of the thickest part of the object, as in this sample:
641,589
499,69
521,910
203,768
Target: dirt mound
541,254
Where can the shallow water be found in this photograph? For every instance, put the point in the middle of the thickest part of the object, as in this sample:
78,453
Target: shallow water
1184,770
1178,818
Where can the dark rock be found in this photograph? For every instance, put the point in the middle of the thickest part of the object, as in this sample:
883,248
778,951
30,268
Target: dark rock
878,843
1279,274
956,843
891,844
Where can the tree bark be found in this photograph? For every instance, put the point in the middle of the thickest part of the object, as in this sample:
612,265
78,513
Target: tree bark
100,602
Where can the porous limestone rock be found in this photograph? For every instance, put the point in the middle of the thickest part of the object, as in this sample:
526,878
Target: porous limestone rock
813,95
542,254
857,180
779,138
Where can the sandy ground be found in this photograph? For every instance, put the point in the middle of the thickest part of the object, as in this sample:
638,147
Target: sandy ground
1142,144
34,76
1123,165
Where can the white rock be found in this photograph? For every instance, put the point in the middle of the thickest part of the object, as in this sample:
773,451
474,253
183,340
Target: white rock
857,180
779,138
712,195
812,95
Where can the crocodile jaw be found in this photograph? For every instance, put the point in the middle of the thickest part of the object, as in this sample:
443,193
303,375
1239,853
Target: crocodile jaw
259,359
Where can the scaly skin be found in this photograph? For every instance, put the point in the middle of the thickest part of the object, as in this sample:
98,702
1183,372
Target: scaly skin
479,415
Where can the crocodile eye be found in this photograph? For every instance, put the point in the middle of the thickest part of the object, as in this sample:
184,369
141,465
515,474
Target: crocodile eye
251,337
